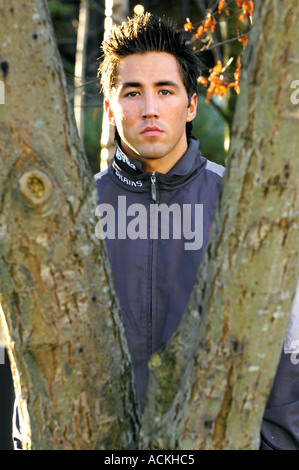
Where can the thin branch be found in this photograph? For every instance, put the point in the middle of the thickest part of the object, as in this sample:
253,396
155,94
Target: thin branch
100,10
89,106
202,6
96,7
94,80
225,42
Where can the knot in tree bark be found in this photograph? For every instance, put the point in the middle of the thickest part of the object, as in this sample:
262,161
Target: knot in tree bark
36,187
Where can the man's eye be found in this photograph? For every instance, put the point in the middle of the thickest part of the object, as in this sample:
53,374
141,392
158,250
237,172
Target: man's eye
132,94
165,92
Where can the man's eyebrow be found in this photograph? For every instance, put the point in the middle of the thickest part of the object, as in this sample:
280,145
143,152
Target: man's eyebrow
167,83
131,85
157,84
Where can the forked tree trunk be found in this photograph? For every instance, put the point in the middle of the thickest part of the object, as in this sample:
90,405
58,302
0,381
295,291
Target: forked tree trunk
61,318
209,387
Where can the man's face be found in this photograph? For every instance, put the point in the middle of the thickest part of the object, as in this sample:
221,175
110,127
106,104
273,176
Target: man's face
150,109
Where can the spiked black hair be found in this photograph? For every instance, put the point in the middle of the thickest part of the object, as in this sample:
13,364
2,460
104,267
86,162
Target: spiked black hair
148,33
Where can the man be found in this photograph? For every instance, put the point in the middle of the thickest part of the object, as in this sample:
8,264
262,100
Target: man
157,199
149,77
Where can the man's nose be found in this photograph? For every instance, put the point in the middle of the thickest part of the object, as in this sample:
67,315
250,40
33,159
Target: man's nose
150,106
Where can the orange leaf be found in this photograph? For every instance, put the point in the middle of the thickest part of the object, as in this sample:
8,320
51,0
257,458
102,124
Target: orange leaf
94,114
203,81
221,5
218,67
237,88
207,23
213,25
244,40
247,7
199,31
188,26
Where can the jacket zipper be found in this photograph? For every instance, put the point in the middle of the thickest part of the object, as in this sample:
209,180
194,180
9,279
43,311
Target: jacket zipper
150,326
153,186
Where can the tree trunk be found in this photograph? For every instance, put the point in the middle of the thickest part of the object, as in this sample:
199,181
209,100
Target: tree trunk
209,386
61,320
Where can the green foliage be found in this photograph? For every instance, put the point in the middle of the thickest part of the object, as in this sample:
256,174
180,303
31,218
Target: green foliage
208,127
65,19
92,135
56,7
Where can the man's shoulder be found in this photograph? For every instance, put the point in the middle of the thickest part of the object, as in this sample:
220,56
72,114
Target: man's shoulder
98,176
215,168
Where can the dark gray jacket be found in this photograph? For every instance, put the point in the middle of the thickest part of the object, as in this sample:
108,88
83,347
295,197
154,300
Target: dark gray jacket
156,227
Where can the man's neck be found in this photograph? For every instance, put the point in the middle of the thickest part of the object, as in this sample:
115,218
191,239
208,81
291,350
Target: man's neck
156,165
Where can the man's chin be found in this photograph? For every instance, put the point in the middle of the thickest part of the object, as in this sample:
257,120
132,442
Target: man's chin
151,153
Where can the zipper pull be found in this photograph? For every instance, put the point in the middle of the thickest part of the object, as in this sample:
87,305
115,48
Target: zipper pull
153,186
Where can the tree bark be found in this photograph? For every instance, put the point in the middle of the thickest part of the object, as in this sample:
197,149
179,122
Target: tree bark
64,334
208,387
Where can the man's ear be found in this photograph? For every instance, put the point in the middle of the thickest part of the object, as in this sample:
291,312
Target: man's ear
192,110
109,112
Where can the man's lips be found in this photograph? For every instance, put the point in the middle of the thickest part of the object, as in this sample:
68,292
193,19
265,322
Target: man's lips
151,131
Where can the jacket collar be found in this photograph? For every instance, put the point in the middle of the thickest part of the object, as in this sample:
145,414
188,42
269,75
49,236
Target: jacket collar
183,166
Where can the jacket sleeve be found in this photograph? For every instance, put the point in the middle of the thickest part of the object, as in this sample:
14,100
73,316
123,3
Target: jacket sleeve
16,434
280,425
